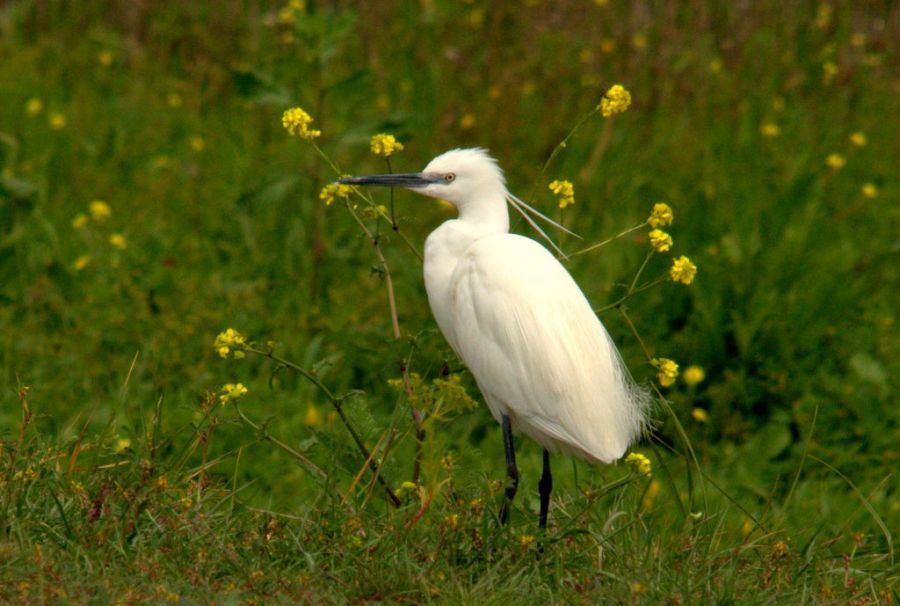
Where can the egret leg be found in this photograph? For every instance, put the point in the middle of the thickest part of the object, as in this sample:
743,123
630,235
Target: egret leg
511,470
545,486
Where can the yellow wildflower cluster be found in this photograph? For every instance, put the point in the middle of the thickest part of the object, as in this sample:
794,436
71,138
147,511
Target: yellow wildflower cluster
81,262
660,240
406,487
869,190
770,130
683,270
526,540
231,391
100,210
373,212
311,418
693,375
668,371
661,215
121,445
332,191
615,101
835,161
79,221
287,15
58,121
297,122
700,415
34,106
118,241
230,340
565,190
385,145
639,463
859,139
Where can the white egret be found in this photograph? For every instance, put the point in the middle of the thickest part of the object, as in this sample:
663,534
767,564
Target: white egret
543,361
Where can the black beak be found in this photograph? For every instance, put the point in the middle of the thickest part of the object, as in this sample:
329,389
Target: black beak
409,180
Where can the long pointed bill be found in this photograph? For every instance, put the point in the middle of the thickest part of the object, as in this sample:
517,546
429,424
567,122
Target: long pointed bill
408,180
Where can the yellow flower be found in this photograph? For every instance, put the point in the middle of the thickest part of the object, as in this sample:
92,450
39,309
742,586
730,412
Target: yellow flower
639,463
297,122
467,121
615,101
859,139
57,121
693,375
525,540
835,161
334,190
231,391
700,415
122,444
405,487
660,240
385,145
105,58
770,130
197,144
650,496
79,221
823,15
100,210
780,549
312,415
661,215
668,371
118,241
683,270
452,520
228,340
869,190
34,106
373,212
565,190
81,262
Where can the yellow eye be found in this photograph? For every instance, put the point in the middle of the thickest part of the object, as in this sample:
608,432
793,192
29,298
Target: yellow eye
449,177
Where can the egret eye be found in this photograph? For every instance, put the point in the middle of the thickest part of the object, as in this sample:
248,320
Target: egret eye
449,177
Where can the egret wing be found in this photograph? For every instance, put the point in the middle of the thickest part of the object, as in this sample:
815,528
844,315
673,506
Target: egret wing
538,351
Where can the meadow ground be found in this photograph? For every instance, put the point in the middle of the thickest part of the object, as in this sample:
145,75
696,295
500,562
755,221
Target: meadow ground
150,199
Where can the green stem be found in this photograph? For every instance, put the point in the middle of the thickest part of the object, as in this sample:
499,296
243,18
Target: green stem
608,240
559,147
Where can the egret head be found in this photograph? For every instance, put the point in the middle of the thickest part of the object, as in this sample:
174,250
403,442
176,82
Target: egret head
459,176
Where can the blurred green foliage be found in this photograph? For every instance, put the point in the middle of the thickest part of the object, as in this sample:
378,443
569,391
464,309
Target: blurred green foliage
171,115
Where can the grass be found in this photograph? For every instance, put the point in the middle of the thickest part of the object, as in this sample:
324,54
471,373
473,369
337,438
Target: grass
124,478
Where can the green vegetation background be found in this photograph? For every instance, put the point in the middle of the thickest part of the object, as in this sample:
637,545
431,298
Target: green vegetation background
122,480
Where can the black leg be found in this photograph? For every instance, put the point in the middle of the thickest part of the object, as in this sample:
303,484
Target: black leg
545,486
511,470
